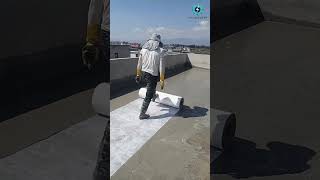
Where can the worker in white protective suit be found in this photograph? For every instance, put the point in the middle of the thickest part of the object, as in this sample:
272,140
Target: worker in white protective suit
98,34
96,54
150,65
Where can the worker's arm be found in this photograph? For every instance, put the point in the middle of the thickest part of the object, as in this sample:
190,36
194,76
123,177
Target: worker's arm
90,52
162,71
94,21
139,67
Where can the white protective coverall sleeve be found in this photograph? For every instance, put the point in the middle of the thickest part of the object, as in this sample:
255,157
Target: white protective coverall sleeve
139,65
98,18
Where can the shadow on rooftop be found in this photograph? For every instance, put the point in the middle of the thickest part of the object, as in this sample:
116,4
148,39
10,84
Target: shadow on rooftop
185,112
244,160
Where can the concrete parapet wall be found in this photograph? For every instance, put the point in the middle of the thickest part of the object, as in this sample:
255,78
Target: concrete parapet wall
233,16
199,60
305,12
123,71
122,68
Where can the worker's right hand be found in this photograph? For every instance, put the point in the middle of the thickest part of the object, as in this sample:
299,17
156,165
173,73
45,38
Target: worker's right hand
161,80
161,84
138,79
90,54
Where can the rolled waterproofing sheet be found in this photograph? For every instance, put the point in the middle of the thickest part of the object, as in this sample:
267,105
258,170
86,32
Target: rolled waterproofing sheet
164,98
100,99
222,127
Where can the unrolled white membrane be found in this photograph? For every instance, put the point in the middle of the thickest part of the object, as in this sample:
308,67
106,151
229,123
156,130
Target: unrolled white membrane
164,98
128,133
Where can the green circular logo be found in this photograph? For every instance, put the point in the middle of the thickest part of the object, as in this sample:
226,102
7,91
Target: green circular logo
197,9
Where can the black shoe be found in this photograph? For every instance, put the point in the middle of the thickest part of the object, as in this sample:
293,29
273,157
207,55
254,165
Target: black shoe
144,116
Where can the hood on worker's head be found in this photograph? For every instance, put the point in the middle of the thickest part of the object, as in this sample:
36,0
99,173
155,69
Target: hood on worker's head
153,43
155,37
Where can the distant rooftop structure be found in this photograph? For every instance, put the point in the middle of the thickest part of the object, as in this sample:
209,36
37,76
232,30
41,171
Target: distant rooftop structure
135,45
134,54
119,51
119,43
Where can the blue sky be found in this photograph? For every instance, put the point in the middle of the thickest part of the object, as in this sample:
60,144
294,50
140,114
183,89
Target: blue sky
135,20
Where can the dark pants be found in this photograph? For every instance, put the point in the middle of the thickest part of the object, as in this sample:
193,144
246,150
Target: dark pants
102,170
105,59
151,82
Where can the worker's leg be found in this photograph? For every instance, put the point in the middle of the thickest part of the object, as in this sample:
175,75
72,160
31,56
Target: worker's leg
102,170
155,95
151,89
106,50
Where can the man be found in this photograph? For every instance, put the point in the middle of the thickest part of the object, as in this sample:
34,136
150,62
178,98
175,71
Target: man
151,64
96,56
96,49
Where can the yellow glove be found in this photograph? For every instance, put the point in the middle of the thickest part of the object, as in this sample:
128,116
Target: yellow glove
138,72
161,81
93,32
138,76
161,84
90,52
90,55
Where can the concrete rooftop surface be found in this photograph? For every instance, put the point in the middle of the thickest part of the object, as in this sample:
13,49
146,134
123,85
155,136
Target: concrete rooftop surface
181,148
41,144
269,76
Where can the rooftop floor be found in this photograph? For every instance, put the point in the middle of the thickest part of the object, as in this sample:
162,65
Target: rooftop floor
269,76
71,153
181,148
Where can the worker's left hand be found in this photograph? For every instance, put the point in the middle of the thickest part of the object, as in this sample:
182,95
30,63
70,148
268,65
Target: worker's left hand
138,79
161,84
90,55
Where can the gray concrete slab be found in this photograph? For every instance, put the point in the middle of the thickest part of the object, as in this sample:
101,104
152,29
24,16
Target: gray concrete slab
68,155
181,148
26,129
269,76
40,147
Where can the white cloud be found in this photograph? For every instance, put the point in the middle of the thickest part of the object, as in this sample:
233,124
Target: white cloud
137,29
204,23
200,30
160,29
202,26
165,31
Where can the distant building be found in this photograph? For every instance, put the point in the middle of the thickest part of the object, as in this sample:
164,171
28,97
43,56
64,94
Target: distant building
134,54
177,49
185,50
115,43
119,43
119,51
134,46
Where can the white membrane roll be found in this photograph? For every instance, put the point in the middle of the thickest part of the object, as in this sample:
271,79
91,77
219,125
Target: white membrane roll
164,98
223,126
100,99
